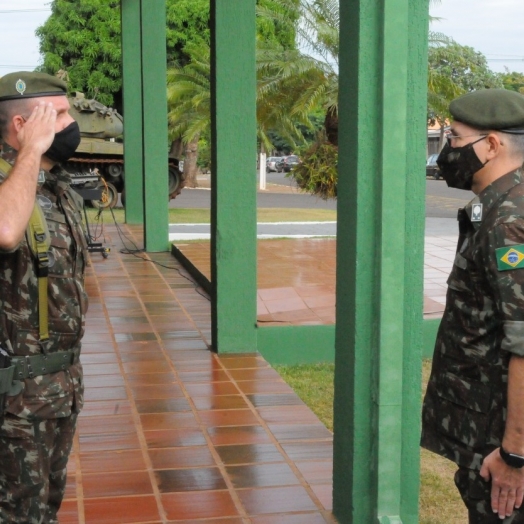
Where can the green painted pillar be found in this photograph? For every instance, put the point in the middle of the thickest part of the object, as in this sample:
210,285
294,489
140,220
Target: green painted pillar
383,66
155,148
233,192
132,100
414,336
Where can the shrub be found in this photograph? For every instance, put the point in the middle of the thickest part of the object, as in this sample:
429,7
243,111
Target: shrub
317,171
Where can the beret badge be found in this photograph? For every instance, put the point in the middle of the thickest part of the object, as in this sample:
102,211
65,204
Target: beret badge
21,86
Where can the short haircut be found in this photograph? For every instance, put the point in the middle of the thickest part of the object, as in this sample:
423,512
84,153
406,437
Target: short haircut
515,143
9,109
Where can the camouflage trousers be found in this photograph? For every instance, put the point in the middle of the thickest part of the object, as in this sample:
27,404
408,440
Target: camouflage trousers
33,460
476,494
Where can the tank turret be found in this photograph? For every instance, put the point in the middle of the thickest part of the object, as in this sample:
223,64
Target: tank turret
101,149
95,119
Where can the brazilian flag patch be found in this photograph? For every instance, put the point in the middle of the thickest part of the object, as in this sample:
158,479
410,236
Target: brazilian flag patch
510,257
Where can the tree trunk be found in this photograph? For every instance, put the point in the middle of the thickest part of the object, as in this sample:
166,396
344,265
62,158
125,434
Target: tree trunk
177,149
190,163
331,125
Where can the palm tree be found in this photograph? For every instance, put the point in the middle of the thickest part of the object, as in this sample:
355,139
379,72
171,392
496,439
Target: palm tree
291,83
307,77
189,102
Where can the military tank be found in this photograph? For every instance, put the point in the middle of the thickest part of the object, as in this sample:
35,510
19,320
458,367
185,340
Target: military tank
99,159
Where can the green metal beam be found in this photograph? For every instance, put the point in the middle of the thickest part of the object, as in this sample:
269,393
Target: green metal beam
379,282
132,101
155,149
291,345
233,192
301,344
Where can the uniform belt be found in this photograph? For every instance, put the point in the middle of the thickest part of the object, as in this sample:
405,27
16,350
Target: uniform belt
34,365
6,379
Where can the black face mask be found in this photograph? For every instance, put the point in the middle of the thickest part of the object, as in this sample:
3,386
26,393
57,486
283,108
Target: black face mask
458,165
64,144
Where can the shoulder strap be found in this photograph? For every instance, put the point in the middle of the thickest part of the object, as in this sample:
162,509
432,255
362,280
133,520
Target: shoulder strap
5,166
38,240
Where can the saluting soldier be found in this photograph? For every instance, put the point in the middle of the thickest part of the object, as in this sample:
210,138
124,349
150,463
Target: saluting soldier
42,297
473,411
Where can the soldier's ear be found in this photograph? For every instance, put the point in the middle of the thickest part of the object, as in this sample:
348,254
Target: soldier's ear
494,144
18,122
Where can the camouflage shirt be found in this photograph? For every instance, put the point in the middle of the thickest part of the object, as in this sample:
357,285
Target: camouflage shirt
464,409
52,395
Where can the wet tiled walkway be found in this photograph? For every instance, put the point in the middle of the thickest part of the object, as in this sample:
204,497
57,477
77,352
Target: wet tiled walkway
296,277
171,432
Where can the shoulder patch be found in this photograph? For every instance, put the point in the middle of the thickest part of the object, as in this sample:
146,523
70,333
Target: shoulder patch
511,257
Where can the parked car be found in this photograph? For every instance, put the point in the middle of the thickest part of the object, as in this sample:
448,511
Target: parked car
271,163
432,168
287,163
279,165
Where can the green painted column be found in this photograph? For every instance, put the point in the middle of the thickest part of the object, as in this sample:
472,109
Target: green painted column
233,192
379,260
132,100
415,338
155,146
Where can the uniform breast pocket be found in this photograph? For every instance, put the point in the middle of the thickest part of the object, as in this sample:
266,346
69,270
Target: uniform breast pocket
61,249
463,409
466,283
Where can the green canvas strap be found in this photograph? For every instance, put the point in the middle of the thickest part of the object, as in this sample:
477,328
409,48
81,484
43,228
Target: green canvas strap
38,239
35,365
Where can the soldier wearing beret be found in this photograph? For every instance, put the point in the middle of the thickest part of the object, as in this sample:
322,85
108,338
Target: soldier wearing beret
42,297
473,411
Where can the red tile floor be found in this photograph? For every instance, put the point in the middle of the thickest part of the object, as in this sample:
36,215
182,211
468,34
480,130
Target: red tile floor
171,432
296,277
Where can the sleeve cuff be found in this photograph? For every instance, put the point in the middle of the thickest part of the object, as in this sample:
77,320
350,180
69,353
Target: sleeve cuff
513,340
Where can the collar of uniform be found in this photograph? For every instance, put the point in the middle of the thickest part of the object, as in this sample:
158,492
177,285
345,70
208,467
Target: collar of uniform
493,192
57,180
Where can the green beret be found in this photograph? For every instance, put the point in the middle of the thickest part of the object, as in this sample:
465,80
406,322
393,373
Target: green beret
496,109
23,84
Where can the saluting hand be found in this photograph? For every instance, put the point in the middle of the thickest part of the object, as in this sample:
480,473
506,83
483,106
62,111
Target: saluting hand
507,484
38,130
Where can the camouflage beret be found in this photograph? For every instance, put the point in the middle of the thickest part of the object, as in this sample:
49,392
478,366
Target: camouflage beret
497,109
23,84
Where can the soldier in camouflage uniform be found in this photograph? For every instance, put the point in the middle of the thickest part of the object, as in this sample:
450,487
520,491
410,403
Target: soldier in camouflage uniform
473,411
46,392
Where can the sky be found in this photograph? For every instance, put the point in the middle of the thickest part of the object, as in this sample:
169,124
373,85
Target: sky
18,43
493,27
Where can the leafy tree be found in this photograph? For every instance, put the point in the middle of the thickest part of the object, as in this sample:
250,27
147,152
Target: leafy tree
83,38
189,100
306,78
513,81
454,69
189,93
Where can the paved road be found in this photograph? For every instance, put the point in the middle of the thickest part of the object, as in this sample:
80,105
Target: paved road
435,226
441,201
264,230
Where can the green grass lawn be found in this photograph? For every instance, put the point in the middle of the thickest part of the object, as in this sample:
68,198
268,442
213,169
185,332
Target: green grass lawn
440,502
202,216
